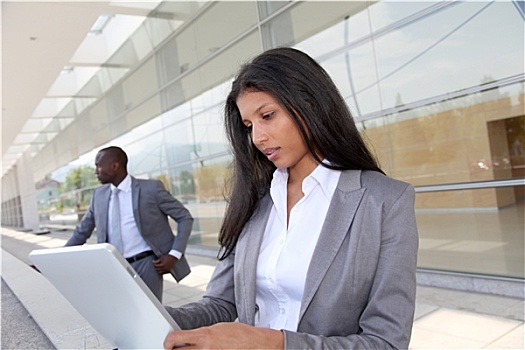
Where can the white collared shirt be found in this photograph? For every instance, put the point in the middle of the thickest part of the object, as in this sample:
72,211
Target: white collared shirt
132,240
285,254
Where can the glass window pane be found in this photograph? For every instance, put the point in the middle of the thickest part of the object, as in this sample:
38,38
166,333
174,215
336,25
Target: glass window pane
213,73
385,13
179,143
141,84
354,76
158,29
141,42
200,186
178,10
348,31
266,8
209,133
144,112
485,236
146,157
450,50
475,141
176,114
144,130
219,24
223,66
306,19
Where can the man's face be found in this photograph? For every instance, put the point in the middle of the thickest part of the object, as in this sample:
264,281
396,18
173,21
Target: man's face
105,167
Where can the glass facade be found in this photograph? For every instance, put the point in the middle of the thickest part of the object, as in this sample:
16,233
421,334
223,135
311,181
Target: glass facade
437,89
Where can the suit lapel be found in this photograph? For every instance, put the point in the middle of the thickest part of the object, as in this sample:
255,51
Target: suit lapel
247,254
336,227
135,194
342,209
103,206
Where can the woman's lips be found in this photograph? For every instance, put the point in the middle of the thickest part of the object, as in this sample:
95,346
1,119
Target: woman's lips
272,153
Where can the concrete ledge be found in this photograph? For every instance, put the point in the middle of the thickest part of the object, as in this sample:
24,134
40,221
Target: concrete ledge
58,227
57,318
202,251
507,287
41,232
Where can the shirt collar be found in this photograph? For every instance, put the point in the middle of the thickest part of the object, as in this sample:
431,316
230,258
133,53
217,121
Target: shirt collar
124,186
325,177
280,176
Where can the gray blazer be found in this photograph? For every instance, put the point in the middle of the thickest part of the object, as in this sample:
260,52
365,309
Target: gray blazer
360,286
152,205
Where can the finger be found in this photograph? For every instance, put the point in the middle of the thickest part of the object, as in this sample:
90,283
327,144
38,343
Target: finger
173,341
190,338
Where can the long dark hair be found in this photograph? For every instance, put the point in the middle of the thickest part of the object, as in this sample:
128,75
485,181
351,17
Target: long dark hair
306,91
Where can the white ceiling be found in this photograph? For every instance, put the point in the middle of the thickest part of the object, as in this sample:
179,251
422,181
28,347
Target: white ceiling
38,40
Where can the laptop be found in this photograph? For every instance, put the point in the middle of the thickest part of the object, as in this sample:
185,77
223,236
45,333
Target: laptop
108,293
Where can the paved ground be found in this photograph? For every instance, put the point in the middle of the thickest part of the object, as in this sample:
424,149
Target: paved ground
19,330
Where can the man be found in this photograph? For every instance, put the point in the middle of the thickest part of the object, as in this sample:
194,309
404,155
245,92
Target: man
132,215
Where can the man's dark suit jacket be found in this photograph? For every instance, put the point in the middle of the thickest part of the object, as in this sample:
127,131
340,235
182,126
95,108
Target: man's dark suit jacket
152,205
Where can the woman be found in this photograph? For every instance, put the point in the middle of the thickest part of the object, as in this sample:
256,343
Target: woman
318,245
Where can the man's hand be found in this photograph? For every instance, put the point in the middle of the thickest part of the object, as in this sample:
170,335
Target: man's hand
164,264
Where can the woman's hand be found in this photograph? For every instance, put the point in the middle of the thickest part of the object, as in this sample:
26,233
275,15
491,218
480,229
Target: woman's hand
230,335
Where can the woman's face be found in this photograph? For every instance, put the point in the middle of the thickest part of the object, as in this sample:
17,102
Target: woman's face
273,131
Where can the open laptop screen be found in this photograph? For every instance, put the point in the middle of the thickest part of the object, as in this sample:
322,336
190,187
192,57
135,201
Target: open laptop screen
107,292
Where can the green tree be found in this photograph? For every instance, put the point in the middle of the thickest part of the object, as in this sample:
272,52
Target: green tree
187,185
78,179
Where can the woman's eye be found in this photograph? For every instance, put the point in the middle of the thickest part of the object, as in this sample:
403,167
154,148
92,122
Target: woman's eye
267,115
248,128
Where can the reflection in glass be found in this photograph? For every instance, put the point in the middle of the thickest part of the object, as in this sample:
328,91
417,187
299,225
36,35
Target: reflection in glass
179,143
443,51
305,19
515,135
266,8
480,239
472,142
146,156
387,13
353,72
200,187
208,133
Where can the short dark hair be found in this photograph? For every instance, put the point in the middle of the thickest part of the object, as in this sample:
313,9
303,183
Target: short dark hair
306,91
117,154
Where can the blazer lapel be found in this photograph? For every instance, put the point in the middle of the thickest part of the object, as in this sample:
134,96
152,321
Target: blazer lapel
341,212
247,254
135,194
102,206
